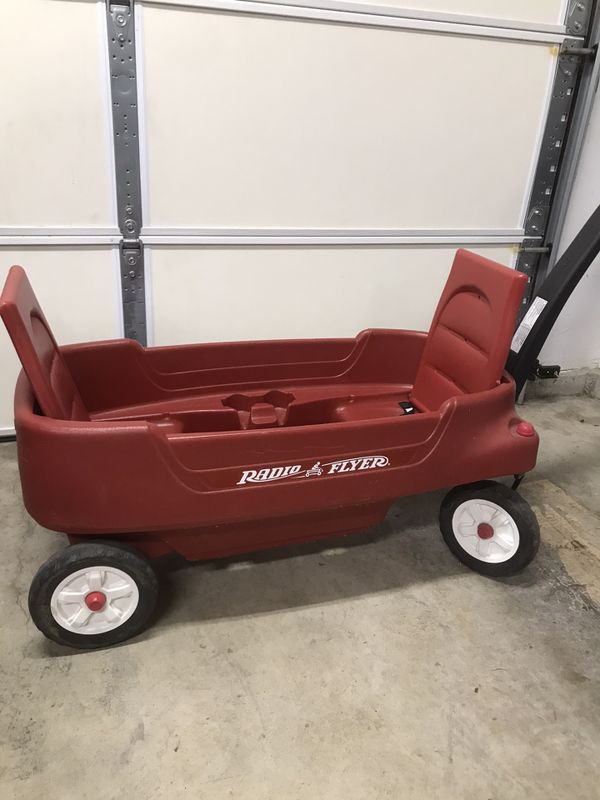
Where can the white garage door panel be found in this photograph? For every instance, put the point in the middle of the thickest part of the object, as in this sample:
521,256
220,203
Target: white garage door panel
212,294
544,11
78,291
55,168
259,122
540,12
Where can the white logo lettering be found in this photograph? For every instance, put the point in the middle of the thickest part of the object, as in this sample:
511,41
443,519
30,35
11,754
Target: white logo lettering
268,474
357,464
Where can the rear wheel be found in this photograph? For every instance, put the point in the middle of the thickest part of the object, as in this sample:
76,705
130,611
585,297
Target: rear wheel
93,595
490,528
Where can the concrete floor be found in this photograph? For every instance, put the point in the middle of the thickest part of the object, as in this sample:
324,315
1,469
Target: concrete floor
370,667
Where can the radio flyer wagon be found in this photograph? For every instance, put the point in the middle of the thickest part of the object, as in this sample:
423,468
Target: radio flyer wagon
215,449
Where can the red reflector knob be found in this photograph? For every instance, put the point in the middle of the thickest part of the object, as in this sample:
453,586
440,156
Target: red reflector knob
95,601
485,530
525,429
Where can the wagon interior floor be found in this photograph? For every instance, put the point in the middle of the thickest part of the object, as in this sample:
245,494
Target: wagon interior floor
269,408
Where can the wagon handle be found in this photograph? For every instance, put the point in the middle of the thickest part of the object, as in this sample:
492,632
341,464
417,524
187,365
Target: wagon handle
550,300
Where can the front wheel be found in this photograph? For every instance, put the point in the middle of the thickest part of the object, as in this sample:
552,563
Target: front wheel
490,528
93,595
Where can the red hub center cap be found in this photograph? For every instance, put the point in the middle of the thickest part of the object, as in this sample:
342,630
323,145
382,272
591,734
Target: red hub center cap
485,530
95,601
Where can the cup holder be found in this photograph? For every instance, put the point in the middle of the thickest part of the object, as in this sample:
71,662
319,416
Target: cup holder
268,410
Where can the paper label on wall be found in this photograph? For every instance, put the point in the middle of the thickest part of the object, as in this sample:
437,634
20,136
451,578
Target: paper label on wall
527,323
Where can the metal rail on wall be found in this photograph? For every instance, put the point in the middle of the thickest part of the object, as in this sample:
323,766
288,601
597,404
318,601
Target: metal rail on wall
568,114
580,115
124,98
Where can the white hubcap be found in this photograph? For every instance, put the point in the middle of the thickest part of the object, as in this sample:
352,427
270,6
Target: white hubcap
94,600
485,531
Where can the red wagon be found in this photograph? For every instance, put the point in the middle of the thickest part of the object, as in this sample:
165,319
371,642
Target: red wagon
215,449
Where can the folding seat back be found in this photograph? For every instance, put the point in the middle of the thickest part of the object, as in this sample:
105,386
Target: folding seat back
471,332
50,379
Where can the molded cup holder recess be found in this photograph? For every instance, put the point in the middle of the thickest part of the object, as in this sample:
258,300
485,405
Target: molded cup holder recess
268,410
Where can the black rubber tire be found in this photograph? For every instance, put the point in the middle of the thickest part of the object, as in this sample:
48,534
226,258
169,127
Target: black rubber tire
512,502
89,554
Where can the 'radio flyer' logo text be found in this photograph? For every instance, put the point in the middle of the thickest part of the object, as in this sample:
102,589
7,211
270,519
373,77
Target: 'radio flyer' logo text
298,471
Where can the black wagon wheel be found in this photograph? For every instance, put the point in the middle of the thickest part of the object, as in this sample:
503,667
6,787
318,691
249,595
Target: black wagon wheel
490,528
93,594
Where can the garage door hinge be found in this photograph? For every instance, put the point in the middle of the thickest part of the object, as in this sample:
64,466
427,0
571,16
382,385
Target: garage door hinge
114,6
578,17
131,244
568,49
535,249
133,290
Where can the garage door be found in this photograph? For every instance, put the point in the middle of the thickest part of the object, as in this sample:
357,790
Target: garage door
273,169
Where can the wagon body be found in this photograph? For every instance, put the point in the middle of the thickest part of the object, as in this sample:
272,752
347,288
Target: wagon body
194,481
219,448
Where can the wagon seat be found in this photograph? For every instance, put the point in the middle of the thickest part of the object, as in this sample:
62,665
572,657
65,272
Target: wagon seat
468,341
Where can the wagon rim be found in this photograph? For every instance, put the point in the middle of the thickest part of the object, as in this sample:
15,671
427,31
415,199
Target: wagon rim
94,600
485,531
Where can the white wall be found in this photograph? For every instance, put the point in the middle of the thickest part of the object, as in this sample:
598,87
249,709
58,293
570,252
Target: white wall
293,292
575,338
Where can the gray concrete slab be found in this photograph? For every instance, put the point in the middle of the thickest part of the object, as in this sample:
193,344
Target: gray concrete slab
373,666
